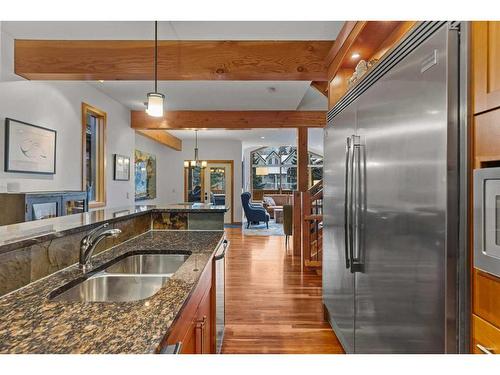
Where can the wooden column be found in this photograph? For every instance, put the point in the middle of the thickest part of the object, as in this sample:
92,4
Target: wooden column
302,160
302,186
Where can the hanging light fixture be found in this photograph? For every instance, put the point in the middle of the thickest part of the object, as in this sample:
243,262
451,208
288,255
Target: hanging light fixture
155,99
196,161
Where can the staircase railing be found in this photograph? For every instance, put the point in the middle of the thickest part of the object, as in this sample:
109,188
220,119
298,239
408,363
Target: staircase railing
308,225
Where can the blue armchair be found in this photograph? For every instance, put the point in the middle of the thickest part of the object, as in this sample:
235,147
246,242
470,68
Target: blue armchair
253,212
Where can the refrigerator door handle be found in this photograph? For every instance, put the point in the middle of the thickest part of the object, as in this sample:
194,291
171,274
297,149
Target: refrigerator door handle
359,188
347,203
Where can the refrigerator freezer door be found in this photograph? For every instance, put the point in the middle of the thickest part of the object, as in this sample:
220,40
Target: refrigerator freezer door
400,294
338,281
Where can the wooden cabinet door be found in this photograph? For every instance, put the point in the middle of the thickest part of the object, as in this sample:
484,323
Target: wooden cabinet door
486,65
486,138
189,340
485,337
203,325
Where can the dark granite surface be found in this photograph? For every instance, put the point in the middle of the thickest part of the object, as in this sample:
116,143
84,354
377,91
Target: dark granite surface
20,235
30,323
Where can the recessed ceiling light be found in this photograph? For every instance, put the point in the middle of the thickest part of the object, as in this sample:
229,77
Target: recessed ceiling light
101,81
355,55
262,137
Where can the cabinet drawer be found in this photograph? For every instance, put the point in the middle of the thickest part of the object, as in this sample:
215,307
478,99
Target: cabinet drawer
486,138
484,335
487,297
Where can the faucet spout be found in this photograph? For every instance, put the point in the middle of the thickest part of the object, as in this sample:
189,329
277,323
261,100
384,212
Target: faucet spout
89,243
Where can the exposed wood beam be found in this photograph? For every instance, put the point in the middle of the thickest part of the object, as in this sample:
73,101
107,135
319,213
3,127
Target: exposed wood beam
229,120
177,60
321,86
342,37
342,44
163,137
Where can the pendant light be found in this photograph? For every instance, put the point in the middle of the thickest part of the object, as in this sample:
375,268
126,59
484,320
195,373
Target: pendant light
155,99
196,162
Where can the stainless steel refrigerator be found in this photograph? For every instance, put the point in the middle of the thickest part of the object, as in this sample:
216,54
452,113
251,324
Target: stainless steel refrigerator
395,185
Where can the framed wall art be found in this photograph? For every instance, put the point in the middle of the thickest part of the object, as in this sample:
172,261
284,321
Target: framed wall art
145,176
29,148
121,168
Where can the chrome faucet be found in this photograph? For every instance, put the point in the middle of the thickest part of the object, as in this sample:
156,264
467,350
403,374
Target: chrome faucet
90,242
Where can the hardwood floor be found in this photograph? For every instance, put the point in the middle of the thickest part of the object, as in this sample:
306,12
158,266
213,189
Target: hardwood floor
271,306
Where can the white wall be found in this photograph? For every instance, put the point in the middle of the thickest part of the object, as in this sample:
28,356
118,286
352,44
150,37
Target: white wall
57,105
170,167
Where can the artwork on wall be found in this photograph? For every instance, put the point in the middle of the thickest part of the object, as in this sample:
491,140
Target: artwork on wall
122,168
145,176
29,148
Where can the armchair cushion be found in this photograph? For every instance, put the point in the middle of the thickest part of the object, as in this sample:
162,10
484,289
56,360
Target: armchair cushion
253,213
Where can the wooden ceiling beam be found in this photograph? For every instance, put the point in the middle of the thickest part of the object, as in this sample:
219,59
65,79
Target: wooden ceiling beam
321,86
344,41
177,60
235,120
163,137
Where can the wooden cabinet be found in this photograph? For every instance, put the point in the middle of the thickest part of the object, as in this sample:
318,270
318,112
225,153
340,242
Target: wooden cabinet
486,153
486,65
21,207
487,297
194,325
486,337
487,138
203,326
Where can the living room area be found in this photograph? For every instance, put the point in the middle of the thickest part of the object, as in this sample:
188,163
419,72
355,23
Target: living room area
257,185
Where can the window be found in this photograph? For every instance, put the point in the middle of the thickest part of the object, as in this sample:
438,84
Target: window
94,156
274,169
194,183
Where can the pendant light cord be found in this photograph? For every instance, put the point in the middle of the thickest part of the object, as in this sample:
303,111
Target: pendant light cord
156,56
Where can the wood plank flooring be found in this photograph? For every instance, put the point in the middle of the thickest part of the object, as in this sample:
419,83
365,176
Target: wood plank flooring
271,306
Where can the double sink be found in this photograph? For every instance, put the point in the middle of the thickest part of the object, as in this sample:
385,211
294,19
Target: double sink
128,278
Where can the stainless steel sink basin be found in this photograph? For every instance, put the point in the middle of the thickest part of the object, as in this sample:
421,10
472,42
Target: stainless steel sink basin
113,288
148,264
132,278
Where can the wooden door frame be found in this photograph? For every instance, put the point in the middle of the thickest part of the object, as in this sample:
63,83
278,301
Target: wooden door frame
101,171
231,163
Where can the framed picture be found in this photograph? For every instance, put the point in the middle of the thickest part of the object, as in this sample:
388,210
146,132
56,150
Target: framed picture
29,148
122,168
145,176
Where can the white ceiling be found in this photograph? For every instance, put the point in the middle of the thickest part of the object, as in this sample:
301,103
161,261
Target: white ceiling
175,30
219,95
256,137
203,95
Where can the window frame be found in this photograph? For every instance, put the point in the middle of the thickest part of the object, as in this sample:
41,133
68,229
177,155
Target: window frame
282,164
101,162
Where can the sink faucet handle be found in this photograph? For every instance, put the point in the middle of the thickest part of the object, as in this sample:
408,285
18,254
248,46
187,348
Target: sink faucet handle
93,232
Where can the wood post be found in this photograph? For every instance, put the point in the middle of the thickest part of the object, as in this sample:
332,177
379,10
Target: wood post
297,223
302,186
302,160
306,226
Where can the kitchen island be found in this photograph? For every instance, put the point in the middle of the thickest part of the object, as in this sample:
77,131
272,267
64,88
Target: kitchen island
30,322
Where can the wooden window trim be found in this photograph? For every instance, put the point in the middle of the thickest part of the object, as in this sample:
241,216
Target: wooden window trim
101,172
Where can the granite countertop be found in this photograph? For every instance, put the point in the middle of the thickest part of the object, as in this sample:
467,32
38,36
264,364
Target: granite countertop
30,323
29,233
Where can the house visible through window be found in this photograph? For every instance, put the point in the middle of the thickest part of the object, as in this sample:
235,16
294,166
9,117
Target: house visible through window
94,142
274,169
